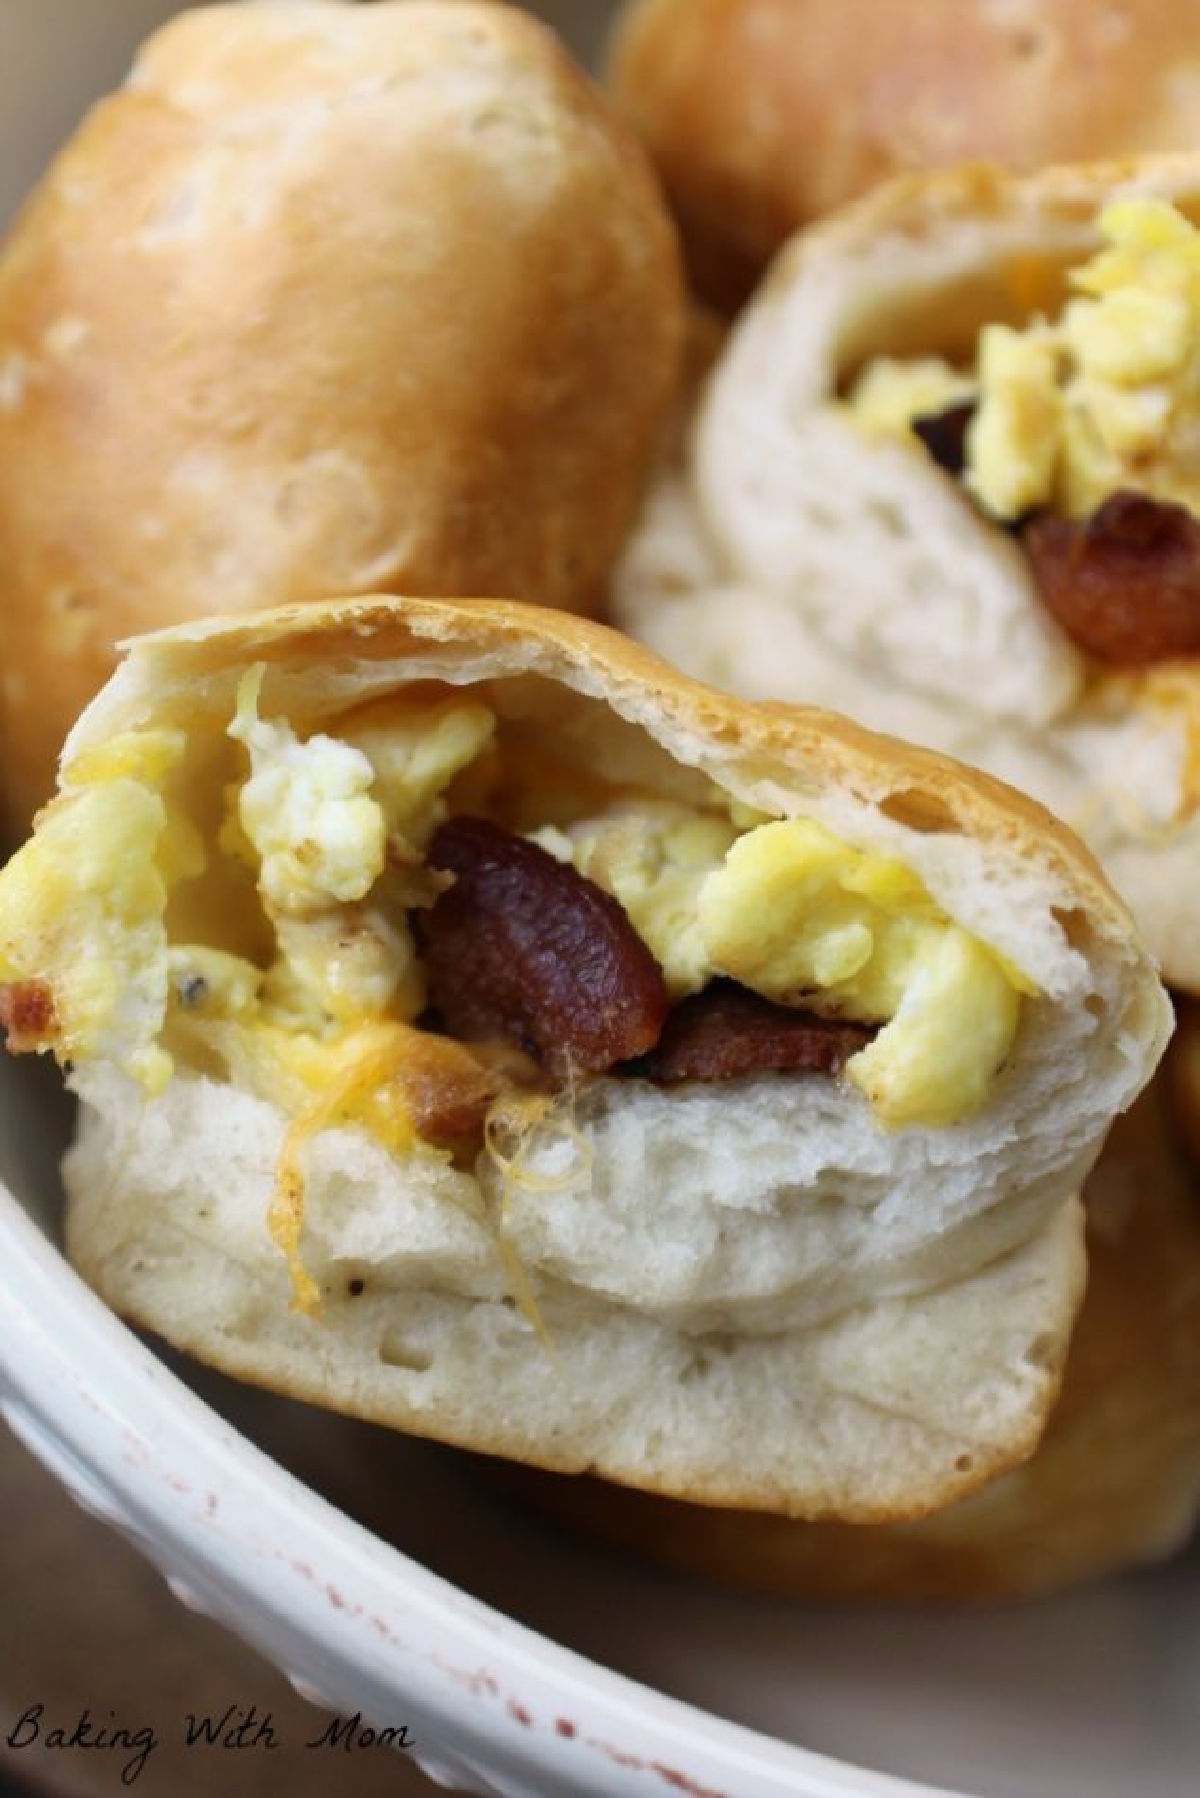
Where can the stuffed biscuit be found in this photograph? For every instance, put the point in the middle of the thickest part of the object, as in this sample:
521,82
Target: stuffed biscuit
484,1030
945,477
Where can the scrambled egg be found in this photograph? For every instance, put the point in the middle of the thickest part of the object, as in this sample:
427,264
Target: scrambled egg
336,967
334,829
307,813
793,913
1105,397
654,857
322,820
804,919
415,747
212,982
890,393
82,904
1014,442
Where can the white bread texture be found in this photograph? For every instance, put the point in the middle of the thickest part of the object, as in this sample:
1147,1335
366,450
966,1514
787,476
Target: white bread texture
786,554
1115,1481
748,1293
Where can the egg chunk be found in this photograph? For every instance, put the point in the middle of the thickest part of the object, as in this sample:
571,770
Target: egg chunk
211,982
415,747
340,966
806,920
83,904
891,393
1013,443
791,912
306,811
330,820
1068,412
934,1064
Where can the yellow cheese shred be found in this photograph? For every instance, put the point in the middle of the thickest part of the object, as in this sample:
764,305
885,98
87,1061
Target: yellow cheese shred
513,1125
364,1091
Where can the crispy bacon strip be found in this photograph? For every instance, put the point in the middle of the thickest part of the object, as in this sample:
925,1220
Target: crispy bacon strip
727,1030
1124,583
524,947
27,1015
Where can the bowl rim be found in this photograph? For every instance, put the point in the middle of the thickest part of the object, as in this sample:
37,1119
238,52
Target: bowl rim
354,1621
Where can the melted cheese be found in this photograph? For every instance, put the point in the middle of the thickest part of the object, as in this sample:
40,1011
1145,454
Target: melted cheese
352,1081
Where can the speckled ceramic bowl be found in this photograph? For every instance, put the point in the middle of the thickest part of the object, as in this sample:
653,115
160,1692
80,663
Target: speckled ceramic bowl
385,1578
354,1622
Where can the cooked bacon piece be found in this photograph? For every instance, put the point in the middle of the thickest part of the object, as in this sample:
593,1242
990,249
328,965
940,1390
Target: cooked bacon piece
727,1030
27,1015
524,947
1124,583
944,435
